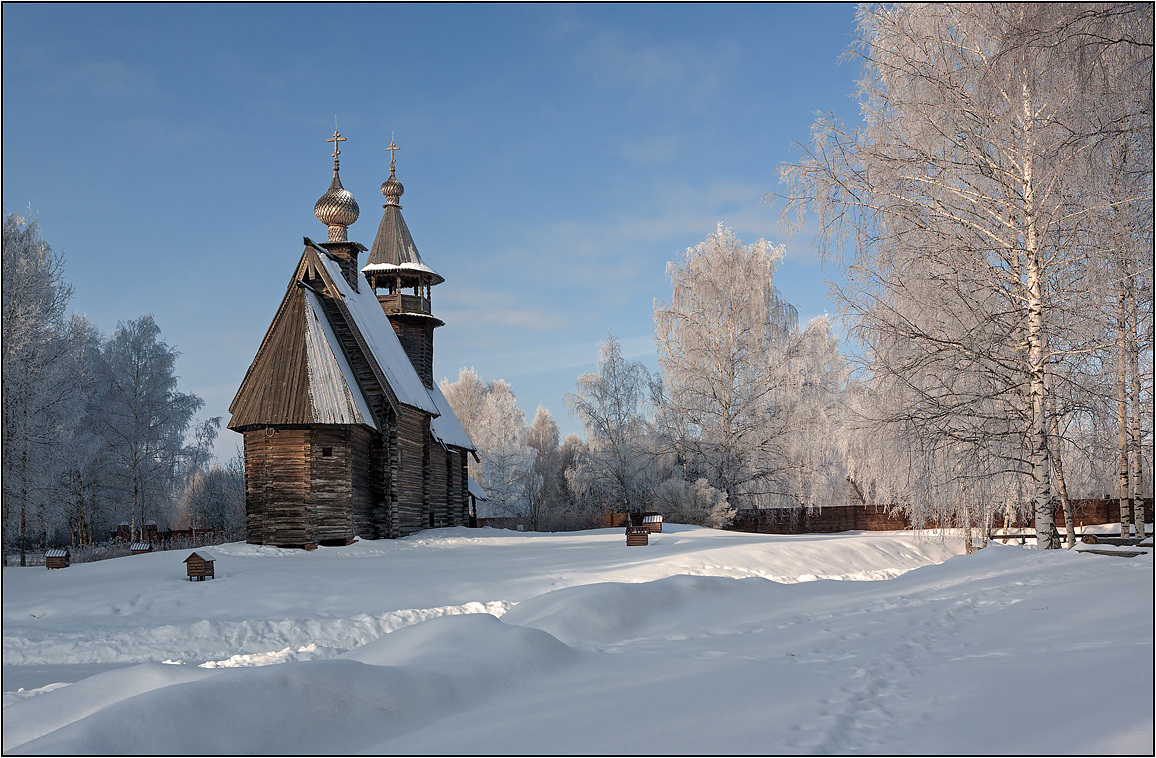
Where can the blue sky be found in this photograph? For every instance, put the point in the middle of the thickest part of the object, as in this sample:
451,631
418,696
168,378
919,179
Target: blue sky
554,158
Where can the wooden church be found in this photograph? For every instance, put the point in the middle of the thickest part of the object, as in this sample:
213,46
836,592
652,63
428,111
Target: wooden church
346,433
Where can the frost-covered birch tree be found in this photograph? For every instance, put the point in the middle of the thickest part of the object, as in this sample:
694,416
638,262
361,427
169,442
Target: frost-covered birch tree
144,417
549,498
465,396
957,205
616,469
745,392
42,381
507,461
489,413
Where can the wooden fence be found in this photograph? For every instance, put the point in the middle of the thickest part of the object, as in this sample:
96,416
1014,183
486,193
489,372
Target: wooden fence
875,518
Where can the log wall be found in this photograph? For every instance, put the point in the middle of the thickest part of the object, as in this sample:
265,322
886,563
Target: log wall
463,483
439,481
368,480
330,485
412,492
416,336
277,486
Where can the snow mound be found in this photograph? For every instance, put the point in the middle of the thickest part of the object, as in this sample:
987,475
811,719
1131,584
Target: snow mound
28,719
207,640
613,612
418,675
455,643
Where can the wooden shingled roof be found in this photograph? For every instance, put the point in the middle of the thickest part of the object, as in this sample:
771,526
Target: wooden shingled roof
301,374
275,390
326,341
393,248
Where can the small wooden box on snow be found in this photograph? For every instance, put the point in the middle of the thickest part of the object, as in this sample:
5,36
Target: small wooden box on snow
653,523
637,535
141,547
200,565
57,558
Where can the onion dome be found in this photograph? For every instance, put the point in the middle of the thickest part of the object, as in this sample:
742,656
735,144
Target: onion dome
392,188
336,208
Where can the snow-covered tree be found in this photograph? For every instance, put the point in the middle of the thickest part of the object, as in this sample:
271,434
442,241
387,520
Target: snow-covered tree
465,396
507,461
960,204
214,497
489,413
748,400
696,502
144,417
615,470
42,381
549,500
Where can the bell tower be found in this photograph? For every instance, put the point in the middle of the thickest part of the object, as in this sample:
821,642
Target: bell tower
401,280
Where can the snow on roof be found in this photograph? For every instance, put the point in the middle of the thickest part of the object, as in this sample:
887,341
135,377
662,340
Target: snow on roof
56,552
476,490
446,427
333,390
400,267
204,555
371,321
139,546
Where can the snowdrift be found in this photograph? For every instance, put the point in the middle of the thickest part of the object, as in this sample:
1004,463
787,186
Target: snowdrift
576,644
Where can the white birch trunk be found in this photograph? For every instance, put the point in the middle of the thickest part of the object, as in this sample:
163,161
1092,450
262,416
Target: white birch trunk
1135,474
1122,408
1058,471
1040,460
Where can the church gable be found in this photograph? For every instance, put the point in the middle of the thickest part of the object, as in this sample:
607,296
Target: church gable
275,390
301,374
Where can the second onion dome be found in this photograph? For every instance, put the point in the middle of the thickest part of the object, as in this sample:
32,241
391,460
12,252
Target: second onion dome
336,208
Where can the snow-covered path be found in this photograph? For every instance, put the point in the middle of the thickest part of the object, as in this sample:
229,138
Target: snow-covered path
468,641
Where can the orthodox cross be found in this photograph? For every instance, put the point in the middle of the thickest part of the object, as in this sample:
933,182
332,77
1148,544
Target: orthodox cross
335,139
392,148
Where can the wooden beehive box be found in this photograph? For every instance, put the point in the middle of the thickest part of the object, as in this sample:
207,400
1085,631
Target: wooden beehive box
652,523
141,547
637,535
57,558
200,565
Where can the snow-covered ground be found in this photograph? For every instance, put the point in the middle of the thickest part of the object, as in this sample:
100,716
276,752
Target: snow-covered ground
490,641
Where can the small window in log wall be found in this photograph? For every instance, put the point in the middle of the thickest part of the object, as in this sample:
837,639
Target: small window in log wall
326,452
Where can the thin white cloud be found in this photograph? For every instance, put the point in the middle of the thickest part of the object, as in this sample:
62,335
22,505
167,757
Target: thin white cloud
479,307
679,74
102,79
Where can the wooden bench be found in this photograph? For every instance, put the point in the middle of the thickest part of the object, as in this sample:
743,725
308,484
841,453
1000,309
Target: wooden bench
200,565
1103,539
637,535
1117,553
1021,536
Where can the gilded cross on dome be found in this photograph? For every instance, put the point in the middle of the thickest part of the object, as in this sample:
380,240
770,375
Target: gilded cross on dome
336,139
392,148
